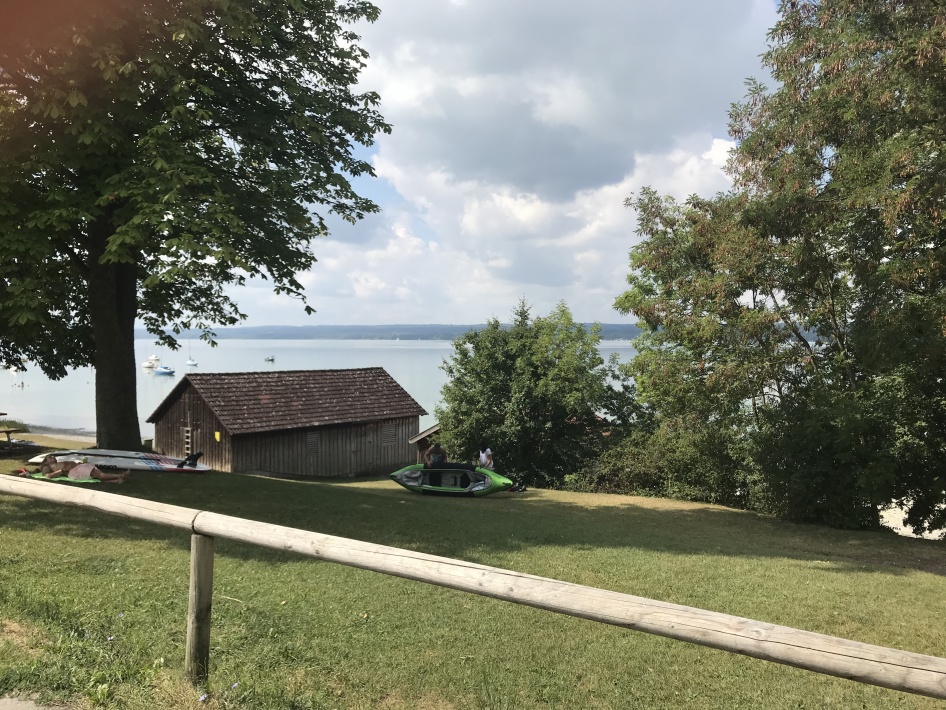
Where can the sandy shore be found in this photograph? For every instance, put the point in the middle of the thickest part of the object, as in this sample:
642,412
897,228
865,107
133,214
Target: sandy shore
69,437
83,435
893,519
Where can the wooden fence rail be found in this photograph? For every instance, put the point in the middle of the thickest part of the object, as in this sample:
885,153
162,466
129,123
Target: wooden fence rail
866,663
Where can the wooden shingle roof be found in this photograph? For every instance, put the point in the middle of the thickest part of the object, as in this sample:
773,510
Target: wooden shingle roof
252,402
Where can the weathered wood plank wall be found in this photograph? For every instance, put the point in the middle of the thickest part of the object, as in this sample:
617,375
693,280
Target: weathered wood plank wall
345,450
188,426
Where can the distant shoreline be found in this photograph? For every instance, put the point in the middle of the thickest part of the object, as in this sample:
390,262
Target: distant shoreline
62,433
609,332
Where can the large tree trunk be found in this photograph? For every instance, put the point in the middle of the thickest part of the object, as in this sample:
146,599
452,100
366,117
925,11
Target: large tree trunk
113,294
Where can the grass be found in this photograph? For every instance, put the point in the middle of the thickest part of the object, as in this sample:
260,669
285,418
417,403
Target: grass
92,607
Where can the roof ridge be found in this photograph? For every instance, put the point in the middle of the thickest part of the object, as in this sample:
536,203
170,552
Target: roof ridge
296,399
279,372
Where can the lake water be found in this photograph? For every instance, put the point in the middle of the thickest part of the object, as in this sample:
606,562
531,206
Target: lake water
70,403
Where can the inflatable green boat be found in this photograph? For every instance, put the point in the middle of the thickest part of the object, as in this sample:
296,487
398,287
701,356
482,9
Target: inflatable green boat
455,479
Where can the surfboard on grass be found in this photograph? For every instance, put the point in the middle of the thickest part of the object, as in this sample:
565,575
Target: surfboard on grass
107,459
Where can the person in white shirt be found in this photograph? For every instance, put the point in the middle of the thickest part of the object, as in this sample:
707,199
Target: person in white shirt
486,457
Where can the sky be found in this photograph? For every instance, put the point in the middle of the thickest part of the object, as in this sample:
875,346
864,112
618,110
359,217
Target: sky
519,129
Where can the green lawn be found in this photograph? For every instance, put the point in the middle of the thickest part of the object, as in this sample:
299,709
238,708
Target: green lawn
92,607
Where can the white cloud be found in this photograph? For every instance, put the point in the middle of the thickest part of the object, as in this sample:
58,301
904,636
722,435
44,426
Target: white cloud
517,135
487,247
719,151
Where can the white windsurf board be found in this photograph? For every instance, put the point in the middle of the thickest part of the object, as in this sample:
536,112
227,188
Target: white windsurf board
114,458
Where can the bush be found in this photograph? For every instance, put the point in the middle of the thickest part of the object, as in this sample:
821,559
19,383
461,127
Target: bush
683,458
621,468
829,456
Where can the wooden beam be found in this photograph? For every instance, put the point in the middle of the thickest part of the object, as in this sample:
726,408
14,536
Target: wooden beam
866,663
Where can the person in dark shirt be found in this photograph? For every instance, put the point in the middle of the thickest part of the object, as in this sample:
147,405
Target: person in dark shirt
435,455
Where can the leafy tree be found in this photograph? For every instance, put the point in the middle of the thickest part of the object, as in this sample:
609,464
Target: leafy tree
537,392
806,307
156,153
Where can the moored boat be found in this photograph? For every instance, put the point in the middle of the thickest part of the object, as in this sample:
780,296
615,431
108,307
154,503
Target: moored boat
455,479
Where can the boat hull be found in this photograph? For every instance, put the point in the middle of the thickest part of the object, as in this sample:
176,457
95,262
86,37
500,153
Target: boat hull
451,480
117,459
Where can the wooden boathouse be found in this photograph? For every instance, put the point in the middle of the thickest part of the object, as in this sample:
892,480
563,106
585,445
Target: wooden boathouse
294,423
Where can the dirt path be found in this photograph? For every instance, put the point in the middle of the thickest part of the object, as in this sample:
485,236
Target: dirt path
21,704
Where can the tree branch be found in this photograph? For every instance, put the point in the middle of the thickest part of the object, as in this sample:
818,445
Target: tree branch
791,324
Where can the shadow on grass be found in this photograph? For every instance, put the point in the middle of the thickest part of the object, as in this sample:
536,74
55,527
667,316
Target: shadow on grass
380,511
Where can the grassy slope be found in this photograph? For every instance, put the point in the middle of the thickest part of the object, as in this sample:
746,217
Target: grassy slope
93,606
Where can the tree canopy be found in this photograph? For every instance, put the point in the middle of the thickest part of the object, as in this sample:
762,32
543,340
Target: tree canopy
803,312
538,393
157,153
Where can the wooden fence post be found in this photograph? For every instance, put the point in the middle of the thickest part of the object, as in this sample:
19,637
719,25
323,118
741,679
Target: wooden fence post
199,600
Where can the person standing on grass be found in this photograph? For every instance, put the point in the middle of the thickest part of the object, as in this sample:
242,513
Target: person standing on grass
485,459
435,455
